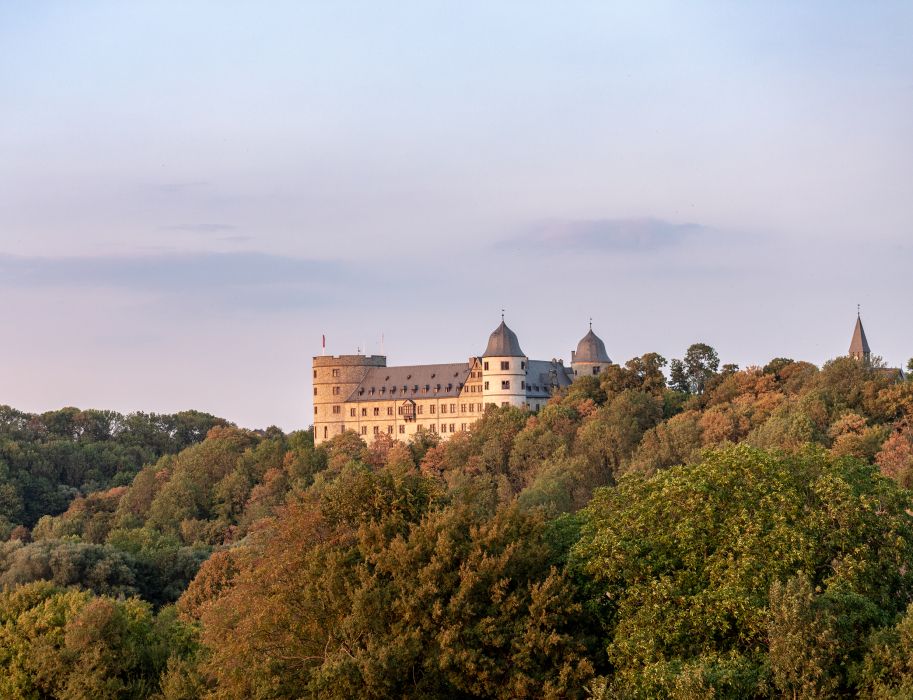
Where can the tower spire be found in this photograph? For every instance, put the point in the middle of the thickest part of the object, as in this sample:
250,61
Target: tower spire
859,345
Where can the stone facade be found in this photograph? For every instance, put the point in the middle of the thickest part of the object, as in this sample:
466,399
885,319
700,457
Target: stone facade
361,393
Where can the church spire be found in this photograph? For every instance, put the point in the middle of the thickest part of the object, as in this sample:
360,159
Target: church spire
859,346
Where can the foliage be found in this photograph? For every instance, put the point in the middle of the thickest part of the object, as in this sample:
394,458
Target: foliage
712,566
749,536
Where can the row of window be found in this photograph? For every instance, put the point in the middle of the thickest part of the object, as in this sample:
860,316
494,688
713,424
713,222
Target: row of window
433,428
505,365
444,428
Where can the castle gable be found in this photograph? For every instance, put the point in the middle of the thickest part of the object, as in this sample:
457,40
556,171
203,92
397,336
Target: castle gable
542,375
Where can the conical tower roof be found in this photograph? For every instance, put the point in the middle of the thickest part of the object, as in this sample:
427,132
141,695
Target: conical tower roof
591,349
503,343
859,346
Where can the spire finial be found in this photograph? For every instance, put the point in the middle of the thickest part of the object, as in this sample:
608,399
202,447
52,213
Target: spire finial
591,323
858,310
502,315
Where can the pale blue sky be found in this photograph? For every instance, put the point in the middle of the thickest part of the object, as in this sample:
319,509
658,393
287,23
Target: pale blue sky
192,192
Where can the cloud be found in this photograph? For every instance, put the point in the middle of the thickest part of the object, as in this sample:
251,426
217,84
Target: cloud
173,273
603,235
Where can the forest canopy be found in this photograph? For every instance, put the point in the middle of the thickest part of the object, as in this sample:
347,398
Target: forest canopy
718,533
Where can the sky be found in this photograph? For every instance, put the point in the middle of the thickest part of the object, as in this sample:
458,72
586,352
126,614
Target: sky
193,193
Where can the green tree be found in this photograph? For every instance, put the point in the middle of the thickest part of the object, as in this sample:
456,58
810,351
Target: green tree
683,563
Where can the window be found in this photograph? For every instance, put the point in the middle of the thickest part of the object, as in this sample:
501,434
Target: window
443,427
402,430
522,365
337,410
364,430
315,410
486,386
433,428
389,430
335,372
522,385
486,365
453,427
453,408
505,384
315,374
472,407
462,427
376,411
505,404
315,391
595,370
462,408
325,429
399,410
390,412
421,409
364,411
352,412
377,430
505,364
335,391
480,407
432,408
443,408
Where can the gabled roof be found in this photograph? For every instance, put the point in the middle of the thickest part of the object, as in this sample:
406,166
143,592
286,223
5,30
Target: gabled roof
503,343
542,375
420,382
859,346
591,349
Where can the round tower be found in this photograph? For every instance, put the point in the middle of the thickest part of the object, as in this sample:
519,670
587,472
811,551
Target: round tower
335,379
504,367
590,357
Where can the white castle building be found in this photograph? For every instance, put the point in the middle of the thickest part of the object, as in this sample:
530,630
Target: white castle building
361,393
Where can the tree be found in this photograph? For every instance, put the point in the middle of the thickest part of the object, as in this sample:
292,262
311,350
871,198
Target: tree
365,589
701,364
678,377
683,566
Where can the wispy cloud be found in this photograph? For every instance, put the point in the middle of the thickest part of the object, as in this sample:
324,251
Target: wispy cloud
603,235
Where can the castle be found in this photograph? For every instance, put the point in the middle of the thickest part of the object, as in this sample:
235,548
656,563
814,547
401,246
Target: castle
361,393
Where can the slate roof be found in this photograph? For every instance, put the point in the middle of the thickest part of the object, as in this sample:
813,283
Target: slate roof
859,345
437,381
541,375
591,349
503,343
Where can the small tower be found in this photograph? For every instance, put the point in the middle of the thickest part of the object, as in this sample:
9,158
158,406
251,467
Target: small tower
859,346
335,378
590,357
504,369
